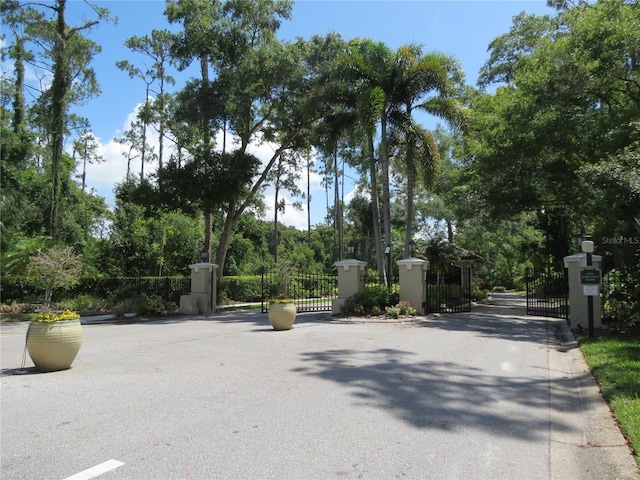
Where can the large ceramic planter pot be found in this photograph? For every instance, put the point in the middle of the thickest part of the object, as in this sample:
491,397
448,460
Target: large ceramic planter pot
54,346
282,315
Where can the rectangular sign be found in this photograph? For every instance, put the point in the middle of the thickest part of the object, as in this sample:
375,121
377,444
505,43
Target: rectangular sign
591,290
590,276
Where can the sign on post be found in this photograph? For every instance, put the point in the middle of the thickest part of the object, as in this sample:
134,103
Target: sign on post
591,290
590,276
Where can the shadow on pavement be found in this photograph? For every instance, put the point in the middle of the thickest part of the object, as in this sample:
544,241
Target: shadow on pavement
490,325
442,395
501,315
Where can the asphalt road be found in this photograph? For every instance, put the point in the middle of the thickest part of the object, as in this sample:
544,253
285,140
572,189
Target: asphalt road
489,395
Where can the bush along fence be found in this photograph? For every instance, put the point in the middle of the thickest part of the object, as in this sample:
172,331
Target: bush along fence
168,288
621,297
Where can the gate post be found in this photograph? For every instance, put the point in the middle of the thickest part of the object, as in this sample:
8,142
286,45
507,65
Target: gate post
202,298
413,285
350,281
578,316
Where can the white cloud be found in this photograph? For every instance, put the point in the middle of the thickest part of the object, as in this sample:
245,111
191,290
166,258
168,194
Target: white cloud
105,175
292,217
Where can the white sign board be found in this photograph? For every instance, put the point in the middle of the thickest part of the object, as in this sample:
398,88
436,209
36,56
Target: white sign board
591,290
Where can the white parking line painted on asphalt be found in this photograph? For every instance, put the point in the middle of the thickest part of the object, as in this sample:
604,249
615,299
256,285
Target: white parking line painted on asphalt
95,471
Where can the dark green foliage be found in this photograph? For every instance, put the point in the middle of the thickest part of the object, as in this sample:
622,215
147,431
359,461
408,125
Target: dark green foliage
561,118
207,181
85,304
403,308
245,288
372,300
144,305
20,290
480,293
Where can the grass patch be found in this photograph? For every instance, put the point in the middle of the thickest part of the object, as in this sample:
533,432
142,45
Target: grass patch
615,362
16,317
244,306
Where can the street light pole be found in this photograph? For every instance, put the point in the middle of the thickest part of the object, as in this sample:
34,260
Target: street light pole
587,247
387,252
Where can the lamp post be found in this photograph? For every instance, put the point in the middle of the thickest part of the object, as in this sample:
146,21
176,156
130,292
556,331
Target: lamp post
387,252
586,244
412,249
351,248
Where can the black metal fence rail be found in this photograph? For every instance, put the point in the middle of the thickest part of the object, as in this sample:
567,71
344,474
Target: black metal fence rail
620,295
448,292
168,288
311,292
547,293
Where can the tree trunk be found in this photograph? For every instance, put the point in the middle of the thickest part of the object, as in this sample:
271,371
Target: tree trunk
208,226
336,206
309,202
18,96
208,222
411,180
59,87
275,222
143,152
161,124
386,197
225,237
376,211
235,210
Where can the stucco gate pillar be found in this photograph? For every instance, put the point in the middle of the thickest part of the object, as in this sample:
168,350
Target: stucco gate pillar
202,298
578,315
413,284
350,281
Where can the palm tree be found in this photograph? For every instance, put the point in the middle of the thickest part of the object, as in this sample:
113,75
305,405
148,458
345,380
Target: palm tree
366,70
425,83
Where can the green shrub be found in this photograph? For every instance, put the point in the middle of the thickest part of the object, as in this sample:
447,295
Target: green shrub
401,309
625,312
144,305
477,292
242,288
371,300
499,289
520,284
84,303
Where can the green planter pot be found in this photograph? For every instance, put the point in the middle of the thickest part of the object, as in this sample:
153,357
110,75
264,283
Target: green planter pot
54,346
282,315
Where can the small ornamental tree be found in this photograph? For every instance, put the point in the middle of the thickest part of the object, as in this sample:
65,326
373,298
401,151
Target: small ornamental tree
56,267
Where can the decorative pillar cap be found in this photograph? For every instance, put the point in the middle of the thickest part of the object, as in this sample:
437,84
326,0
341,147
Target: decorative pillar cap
580,258
350,262
410,262
203,265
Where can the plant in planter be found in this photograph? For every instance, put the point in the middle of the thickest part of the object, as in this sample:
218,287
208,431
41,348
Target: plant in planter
54,338
282,309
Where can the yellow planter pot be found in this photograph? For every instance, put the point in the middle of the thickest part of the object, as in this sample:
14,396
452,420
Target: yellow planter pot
54,346
282,315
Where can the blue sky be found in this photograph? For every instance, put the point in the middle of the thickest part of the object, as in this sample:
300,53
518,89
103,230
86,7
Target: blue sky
460,28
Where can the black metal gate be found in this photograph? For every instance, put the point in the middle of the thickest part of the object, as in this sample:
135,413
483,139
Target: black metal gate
449,292
311,292
547,293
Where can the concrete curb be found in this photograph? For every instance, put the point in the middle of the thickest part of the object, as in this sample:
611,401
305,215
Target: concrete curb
597,446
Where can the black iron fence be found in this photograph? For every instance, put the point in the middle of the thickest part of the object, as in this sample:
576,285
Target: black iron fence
547,292
168,288
620,296
448,292
310,291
